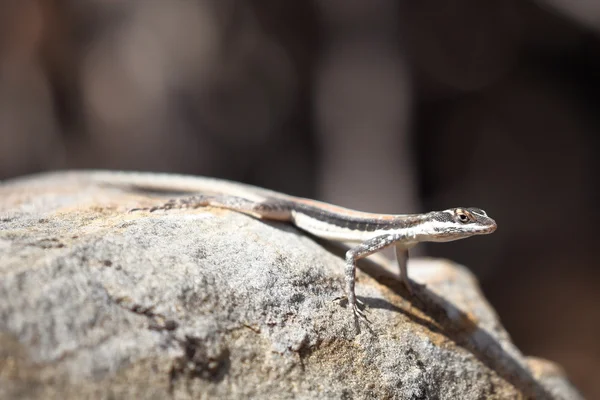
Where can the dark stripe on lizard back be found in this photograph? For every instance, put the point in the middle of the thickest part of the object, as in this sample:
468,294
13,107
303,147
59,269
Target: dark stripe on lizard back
355,223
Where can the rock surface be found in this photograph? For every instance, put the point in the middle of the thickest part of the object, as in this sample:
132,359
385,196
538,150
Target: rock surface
96,301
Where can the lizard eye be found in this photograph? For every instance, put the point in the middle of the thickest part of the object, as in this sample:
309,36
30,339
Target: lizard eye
464,218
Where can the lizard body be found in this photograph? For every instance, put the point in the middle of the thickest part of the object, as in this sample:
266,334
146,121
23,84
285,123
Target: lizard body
372,231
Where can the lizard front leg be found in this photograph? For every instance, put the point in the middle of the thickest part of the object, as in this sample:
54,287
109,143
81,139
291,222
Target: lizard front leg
365,249
402,260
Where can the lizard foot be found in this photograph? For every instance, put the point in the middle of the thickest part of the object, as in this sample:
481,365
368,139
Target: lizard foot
410,285
359,313
360,316
345,298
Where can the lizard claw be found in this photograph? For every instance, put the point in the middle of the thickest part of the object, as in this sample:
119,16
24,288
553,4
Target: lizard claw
359,316
410,286
358,302
359,313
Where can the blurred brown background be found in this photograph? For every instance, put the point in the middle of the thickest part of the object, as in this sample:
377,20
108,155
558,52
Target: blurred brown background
381,105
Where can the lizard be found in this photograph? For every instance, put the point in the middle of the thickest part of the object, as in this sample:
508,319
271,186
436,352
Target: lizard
371,232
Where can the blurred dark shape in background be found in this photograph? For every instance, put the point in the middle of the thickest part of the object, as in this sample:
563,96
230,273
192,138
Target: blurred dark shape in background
389,106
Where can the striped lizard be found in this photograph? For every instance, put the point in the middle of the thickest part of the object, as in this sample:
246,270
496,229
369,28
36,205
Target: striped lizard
373,232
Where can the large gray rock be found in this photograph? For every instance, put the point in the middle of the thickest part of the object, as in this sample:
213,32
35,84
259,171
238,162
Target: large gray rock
96,301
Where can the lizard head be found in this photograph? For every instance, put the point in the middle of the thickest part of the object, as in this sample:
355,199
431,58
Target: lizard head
457,223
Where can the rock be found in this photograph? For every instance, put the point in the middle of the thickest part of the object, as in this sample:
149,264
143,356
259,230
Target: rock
97,301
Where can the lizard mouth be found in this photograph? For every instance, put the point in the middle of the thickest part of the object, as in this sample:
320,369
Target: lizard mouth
490,228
